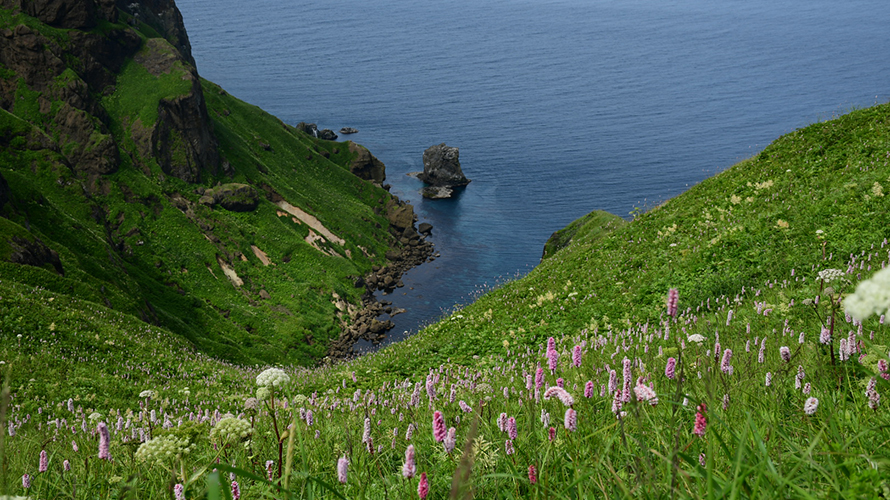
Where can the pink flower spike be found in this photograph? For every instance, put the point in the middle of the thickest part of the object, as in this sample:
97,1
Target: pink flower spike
576,356
409,468
342,469
511,428
423,487
588,389
672,299
700,422
438,427
560,393
532,474
670,368
44,462
104,441
571,420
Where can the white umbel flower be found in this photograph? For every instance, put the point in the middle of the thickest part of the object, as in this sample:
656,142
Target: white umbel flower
830,274
272,376
872,296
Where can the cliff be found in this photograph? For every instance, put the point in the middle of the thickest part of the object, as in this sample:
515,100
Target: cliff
109,142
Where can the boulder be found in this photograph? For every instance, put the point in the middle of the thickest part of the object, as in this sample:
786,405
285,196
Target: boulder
441,167
348,130
309,129
436,192
365,165
425,228
34,253
327,135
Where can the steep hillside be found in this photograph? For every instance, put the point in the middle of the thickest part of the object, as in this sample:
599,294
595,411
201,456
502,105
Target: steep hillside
127,181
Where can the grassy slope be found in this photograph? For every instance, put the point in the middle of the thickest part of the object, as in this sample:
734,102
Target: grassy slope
126,244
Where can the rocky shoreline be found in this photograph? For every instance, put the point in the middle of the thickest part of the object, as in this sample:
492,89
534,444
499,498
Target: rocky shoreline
410,249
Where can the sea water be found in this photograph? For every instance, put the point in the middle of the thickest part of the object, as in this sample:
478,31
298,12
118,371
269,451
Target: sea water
559,107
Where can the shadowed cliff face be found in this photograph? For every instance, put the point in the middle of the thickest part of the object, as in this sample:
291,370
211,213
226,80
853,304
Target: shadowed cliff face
55,80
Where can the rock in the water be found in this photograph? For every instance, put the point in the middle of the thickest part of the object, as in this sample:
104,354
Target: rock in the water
425,228
441,169
327,135
348,130
436,192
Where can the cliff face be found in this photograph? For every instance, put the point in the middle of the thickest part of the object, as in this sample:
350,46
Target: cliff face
127,181
57,75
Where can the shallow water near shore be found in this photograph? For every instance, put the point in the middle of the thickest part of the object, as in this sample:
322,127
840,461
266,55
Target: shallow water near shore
558,107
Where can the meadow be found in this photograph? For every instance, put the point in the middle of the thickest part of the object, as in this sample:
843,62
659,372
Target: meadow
713,347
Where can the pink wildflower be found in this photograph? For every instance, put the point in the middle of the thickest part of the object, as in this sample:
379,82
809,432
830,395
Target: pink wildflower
672,299
613,381
409,468
104,441
532,474
269,465
700,421
508,447
511,428
552,360
560,393
825,336
810,406
725,365
178,492
576,356
539,378
670,368
423,487
785,352
342,469
236,491
560,382
588,389
26,481
646,394
438,427
464,406
44,462
571,420
450,440
502,422
551,433
66,466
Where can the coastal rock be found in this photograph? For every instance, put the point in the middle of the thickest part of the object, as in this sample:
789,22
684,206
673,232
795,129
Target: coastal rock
327,135
366,166
425,228
309,129
436,192
348,130
441,169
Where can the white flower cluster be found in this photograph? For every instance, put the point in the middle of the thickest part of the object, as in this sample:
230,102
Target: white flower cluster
273,377
695,337
148,393
830,274
872,296
230,431
164,448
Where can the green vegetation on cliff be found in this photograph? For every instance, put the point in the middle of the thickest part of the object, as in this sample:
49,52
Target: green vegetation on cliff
110,142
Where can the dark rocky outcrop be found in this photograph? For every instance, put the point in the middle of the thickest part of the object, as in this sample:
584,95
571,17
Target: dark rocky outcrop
235,197
425,228
164,17
68,106
441,169
34,253
348,130
4,192
366,166
309,129
327,135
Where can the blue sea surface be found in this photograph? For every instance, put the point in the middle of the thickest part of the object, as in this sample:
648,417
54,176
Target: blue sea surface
559,107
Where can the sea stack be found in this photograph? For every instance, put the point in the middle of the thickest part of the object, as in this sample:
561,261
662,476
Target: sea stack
441,171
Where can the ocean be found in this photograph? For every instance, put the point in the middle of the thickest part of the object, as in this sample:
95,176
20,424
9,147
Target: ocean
559,107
